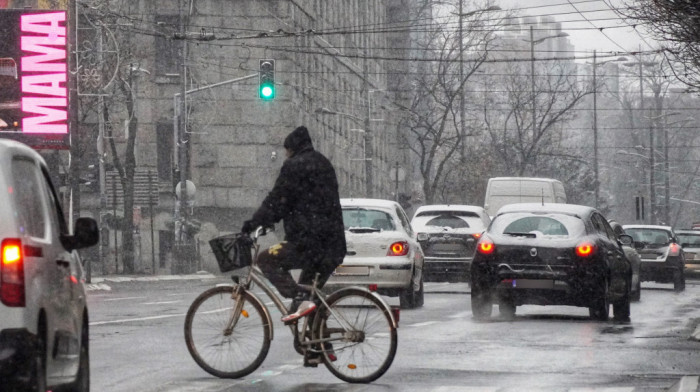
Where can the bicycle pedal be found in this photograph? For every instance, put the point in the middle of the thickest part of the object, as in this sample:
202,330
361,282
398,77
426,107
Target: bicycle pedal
312,362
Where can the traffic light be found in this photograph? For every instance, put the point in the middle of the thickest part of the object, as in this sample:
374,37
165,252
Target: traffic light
266,89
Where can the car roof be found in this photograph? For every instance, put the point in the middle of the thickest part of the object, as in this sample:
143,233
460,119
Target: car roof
9,145
381,203
687,231
524,179
657,227
576,209
448,207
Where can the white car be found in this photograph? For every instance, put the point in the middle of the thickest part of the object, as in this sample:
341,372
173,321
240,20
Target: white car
448,234
43,312
690,242
382,251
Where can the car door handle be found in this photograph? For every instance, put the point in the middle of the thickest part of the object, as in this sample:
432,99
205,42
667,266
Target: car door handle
63,263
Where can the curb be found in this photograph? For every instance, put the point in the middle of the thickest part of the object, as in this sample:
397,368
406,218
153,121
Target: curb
696,335
102,283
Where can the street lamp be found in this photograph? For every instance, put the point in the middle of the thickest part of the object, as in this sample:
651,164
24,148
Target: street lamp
595,125
532,42
366,141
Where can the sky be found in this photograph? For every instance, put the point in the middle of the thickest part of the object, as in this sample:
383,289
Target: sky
616,36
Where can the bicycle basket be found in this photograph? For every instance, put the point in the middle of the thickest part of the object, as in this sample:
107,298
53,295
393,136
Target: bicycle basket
232,251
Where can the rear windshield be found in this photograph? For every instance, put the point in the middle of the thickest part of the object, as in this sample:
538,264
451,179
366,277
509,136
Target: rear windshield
450,220
367,218
688,239
649,236
539,225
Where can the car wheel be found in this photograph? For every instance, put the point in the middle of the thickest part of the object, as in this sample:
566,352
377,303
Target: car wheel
678,281
407,297
621,309
600,308
82,380
37,365
507,309
481,304
637,294
420,295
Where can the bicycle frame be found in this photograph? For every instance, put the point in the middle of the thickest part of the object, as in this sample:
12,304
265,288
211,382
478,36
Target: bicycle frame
256,276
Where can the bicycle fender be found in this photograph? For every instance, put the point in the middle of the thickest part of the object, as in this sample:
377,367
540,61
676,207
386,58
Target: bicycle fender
253,297
387,308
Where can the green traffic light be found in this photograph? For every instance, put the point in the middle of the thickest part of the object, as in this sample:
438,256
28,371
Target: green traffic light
267,92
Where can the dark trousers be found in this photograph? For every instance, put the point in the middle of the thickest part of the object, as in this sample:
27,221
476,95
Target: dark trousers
276,262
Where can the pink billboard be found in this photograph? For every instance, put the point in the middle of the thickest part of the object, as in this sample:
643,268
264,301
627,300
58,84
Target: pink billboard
34,102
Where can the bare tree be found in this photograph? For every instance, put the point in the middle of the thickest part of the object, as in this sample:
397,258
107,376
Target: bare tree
432,121
676,23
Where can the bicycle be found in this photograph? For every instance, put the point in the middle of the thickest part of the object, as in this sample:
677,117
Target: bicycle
228,329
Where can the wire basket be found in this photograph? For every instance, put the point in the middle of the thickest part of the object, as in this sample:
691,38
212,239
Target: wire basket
232,251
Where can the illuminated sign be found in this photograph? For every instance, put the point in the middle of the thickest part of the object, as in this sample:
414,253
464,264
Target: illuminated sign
34,103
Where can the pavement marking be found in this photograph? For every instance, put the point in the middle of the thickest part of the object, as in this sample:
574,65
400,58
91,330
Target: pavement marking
161,302
460,315
423,324
136,319
123,298
603,389
461,388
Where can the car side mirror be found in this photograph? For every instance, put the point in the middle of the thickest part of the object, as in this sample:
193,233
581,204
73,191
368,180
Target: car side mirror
85,234
625,239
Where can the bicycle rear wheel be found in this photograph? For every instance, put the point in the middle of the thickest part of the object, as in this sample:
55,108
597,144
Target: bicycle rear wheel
362,337
224,355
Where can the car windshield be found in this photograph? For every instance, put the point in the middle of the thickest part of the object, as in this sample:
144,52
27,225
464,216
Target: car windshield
649,236
547,225
689,239
367,218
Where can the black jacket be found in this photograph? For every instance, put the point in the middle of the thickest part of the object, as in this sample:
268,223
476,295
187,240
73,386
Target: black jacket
306,197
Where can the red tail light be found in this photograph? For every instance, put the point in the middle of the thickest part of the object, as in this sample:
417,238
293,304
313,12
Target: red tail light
398,249
674,249
476,236
485,246
585,249
12,273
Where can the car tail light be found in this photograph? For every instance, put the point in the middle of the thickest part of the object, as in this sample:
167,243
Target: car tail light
372,287
674,249
585,249
396,311
485,246
12,273
398,249
476,236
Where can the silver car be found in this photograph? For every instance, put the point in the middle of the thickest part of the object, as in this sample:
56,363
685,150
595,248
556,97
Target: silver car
43,311
382,251
690,242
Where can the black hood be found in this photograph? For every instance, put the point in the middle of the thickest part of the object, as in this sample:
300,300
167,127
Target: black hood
298,139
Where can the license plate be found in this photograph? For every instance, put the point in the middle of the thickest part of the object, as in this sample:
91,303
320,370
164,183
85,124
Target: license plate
351,270
689,256
533,283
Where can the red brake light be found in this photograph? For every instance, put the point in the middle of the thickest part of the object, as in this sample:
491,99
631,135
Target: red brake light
398,249
674,249
585,249
485,246
476,236
12,273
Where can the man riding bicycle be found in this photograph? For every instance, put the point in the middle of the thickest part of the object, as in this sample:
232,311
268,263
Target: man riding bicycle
305,196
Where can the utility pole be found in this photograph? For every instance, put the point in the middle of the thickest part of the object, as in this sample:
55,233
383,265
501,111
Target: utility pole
181,237
532,81
652,196
369,183
461,77
595,132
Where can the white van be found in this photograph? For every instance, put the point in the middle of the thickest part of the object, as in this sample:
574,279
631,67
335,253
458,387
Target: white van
508,190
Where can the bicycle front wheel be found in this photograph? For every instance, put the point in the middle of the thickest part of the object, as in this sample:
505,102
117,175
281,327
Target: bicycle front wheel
220,353
359,336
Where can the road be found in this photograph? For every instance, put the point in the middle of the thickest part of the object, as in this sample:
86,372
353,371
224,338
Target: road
137,344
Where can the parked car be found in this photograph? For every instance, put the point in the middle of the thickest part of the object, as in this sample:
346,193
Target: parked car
448,234
690,242
551,254
383,252
634,259
43,312
662,255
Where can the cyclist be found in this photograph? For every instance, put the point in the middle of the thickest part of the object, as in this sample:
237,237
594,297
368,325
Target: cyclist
305,196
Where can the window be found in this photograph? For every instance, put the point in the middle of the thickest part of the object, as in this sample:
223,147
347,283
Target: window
55,211
27,191
361,217
167,50
404,221
450,221
164,146
544,225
